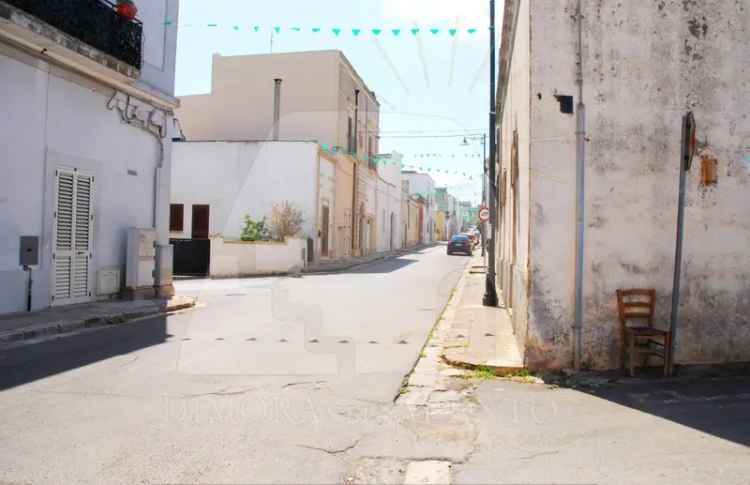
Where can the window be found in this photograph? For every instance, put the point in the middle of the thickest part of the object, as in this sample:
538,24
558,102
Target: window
175,217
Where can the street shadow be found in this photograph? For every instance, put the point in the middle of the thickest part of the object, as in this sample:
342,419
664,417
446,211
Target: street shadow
29,363
714,405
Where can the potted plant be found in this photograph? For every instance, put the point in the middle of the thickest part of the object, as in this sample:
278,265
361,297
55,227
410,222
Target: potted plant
126,9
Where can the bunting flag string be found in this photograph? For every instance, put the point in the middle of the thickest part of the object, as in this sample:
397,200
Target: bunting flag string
335,31
386,160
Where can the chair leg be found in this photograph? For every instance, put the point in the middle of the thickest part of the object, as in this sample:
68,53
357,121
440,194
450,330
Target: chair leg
632,356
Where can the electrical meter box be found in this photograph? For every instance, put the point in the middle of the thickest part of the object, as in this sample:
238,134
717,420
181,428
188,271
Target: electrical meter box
141,259
29,252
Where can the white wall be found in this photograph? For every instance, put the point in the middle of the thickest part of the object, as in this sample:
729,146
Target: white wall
326,197
238,178
645,64
231,259
159,42
422,184
389,201
52,119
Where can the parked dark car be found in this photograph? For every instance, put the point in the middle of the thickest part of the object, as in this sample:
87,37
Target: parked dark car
460,243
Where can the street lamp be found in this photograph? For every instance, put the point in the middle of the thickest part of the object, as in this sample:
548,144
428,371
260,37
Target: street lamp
490,291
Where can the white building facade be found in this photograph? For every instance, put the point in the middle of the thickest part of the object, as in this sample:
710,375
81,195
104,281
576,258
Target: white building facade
423,185
85,146
217,184
389,202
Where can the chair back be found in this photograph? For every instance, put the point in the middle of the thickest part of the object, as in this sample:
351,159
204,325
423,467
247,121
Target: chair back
636,303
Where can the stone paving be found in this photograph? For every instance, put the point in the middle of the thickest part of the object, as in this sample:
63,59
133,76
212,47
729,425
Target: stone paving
480,336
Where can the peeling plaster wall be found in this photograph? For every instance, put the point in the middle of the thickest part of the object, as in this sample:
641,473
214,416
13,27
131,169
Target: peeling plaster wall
552,173
512,267
693,55
645,64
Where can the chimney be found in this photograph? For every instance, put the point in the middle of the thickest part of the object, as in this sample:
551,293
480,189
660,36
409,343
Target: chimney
276,108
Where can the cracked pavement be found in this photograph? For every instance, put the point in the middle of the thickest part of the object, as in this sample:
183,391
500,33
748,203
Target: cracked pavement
268,380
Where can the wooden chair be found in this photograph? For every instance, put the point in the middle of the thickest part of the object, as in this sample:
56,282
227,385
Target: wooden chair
641,340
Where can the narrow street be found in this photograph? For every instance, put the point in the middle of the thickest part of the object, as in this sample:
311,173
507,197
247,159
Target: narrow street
259,384
264,373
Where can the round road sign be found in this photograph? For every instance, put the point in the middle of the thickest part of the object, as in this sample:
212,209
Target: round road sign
484,214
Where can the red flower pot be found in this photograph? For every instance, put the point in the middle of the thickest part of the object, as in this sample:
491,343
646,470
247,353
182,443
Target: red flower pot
127,10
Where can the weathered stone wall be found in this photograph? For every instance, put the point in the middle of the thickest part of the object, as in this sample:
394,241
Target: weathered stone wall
645,63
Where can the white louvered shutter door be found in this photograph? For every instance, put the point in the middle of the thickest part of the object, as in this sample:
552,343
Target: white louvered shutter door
82,236
63,251
73,248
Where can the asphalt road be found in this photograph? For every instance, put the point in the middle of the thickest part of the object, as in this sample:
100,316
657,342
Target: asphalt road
267,381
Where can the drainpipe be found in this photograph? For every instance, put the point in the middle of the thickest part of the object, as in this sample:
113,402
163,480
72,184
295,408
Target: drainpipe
354,169
276,108
580,195
128,115
356,121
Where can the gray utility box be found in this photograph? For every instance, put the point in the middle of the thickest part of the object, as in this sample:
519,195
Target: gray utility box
29,252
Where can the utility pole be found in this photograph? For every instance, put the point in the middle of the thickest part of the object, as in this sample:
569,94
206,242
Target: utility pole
490,292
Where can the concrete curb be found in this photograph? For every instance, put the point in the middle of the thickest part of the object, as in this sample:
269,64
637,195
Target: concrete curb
454,351
18,337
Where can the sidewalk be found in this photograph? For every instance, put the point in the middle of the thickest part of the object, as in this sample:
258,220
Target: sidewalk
352,261
22,328
479,336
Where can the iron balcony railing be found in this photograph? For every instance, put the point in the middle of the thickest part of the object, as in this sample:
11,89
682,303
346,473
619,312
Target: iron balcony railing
94,22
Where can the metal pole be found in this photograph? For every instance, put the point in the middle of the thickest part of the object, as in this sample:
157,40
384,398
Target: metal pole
678,245
30,283
483,225
580,198
490,291
276,108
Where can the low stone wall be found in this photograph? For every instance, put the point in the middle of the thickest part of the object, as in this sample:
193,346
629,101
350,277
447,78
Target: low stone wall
231,258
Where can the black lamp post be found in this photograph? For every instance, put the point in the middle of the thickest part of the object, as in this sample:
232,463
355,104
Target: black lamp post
490,291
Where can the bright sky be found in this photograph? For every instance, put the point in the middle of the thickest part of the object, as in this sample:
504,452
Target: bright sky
427,84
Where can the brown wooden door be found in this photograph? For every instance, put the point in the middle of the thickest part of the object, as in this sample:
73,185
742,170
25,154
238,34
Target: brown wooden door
200,222
324,229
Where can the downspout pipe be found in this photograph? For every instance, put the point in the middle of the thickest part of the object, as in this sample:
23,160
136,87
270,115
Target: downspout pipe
276,107
353,143
580,196
128,115
356,122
